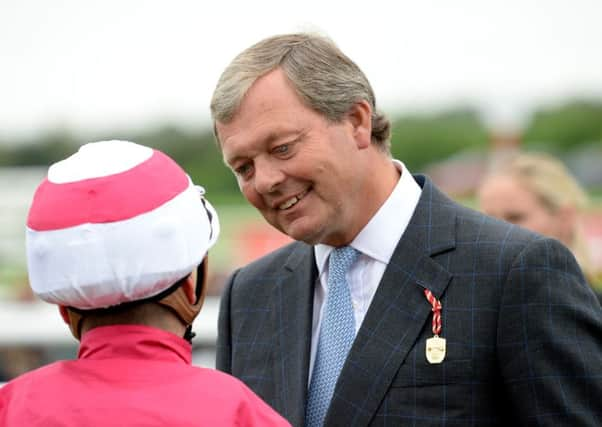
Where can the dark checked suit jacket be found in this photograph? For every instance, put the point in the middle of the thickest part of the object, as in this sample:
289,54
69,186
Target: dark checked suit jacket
523,330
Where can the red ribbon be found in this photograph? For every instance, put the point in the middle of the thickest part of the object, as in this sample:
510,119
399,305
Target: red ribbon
436,311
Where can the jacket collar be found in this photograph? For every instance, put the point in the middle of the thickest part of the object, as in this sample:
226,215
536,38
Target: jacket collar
134,342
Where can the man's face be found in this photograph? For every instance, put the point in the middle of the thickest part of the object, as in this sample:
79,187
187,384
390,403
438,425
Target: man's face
303,173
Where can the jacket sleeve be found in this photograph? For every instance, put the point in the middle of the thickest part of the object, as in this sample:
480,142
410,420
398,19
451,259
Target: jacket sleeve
3,405
254,412
550,340
223,360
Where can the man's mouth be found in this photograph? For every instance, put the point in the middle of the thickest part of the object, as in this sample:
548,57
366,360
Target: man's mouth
292,201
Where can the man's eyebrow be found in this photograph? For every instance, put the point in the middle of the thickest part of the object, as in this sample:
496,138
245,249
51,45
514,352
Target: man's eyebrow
229,161
273,136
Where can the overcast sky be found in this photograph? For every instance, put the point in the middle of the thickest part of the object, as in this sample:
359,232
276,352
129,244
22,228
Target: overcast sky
120,64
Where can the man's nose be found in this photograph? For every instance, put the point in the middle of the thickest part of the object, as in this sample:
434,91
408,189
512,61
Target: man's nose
267,177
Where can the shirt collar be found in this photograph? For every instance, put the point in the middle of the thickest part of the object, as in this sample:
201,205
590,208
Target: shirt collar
394,216
134,342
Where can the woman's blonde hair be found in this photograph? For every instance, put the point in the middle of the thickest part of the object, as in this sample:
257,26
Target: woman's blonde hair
555,187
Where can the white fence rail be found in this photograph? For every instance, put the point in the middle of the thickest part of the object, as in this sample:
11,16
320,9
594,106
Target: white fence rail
38,323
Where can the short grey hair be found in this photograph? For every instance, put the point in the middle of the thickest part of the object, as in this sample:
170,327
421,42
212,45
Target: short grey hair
325,79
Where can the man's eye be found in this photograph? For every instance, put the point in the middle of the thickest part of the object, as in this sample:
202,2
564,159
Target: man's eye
281,149
243,170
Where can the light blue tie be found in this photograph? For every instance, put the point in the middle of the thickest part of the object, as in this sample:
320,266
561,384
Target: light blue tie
336,336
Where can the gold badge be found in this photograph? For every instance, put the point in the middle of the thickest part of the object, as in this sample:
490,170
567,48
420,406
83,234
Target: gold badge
435,349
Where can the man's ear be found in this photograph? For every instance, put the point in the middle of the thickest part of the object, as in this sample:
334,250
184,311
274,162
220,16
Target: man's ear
360,117
64,314
190,283
189,287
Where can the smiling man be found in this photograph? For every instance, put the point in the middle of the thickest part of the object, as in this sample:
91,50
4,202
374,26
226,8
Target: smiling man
299,169
395,305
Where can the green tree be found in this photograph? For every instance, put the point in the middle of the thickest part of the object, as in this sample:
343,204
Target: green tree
564,127
419,140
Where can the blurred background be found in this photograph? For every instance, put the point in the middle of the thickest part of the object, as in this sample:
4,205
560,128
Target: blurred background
463,81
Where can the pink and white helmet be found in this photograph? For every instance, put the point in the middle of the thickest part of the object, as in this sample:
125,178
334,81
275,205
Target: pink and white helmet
115,222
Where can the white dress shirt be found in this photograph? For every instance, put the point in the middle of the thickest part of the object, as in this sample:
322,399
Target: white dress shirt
376,243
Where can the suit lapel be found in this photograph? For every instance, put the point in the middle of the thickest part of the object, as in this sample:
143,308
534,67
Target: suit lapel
398,311
292,320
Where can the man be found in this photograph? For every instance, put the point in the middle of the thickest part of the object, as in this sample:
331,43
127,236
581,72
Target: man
117,237
455,318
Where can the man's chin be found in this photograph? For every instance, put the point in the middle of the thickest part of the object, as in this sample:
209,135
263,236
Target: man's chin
302,233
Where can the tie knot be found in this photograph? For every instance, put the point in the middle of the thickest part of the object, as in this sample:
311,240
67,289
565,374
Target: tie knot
342,258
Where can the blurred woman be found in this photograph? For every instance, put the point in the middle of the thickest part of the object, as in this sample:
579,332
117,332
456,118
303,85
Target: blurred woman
536,191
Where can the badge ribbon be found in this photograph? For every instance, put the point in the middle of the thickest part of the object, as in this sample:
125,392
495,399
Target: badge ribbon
435,346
